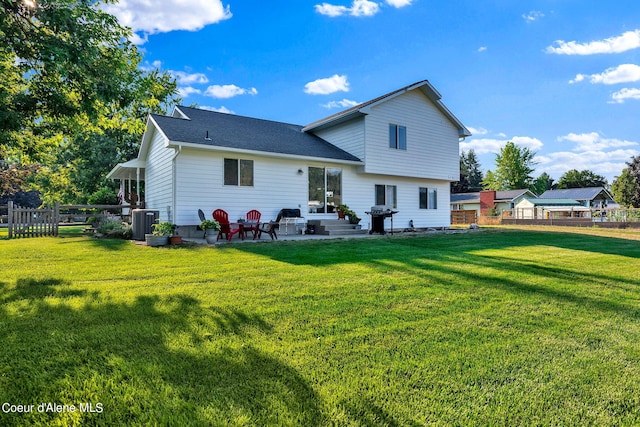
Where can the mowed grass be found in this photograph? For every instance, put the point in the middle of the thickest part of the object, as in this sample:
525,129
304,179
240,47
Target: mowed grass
499,327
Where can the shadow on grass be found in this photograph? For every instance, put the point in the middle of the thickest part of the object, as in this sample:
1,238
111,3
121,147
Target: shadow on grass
364,411
155,361
329,252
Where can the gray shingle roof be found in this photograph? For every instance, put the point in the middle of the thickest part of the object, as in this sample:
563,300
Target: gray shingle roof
554,202
246,133
589,193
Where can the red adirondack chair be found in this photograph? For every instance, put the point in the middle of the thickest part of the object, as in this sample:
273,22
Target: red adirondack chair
253,222
227,229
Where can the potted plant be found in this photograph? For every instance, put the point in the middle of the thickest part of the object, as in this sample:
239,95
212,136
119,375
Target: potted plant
343,211
160,235
353,218
210,224
175,238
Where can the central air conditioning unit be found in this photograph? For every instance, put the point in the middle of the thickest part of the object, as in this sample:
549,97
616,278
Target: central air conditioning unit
142,221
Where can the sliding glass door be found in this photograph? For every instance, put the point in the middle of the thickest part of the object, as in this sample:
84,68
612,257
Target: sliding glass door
325,189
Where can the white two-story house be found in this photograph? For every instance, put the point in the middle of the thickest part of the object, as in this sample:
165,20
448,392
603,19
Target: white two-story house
399,150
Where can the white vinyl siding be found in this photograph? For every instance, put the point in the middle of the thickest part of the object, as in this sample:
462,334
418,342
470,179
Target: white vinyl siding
159,178
200,185
348,136
431,139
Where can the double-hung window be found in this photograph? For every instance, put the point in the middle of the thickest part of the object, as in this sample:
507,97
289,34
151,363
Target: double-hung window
397,137
428,198
238,172
387,195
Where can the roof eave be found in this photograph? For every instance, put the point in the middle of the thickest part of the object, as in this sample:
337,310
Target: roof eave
217,148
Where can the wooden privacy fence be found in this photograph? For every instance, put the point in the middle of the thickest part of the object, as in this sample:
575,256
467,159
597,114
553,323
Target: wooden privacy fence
464,217
31,222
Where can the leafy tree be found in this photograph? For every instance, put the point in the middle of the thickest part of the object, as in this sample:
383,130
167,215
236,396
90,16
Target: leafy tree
513,169
632,184
581,179
542,183
13,178
624,189
634,170
72,95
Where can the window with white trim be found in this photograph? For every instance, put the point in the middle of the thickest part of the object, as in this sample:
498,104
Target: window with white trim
397,137
238,172
387,195
428,198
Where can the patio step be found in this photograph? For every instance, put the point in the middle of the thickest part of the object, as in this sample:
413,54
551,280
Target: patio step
335,227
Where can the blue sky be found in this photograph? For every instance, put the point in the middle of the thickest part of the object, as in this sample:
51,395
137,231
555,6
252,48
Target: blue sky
561,77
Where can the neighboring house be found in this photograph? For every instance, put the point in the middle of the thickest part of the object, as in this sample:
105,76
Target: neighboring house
550,208
400,150
591,197
485,200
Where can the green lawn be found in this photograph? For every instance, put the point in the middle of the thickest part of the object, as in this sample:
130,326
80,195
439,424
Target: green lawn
499,327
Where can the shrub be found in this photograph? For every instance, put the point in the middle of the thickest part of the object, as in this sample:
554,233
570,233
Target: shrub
115,229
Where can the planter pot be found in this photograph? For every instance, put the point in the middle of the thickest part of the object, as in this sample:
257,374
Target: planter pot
156,240
175,240
211,238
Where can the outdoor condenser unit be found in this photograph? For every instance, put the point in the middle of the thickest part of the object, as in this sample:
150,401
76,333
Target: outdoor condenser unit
142,221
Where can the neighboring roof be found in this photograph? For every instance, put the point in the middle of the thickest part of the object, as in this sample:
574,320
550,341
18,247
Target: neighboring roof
589,193
501,196
465,198
554,202
213,129
363,109
510,195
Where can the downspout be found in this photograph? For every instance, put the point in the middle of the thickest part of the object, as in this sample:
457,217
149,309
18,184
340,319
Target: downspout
174,167
138,201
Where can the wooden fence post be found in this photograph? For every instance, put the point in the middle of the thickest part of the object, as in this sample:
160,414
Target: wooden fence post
10,218
56,218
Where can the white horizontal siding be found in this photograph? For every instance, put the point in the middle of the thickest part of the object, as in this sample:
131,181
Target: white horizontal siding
348,136
159,178
432,140
200,185
278,185
359,195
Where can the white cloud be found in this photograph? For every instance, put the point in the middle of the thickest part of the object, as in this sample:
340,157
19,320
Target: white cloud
147,17
345,103
627,41
592,151
188,90
327,86
189,79
228,91
534,15
358,8
477,131
621,74
491,145
594,142
222,109
482,48
623,94
399,3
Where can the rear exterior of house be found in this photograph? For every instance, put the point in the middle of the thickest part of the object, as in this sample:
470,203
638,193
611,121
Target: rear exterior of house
399,150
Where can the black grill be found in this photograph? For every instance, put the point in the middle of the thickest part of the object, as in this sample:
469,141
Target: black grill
378,214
